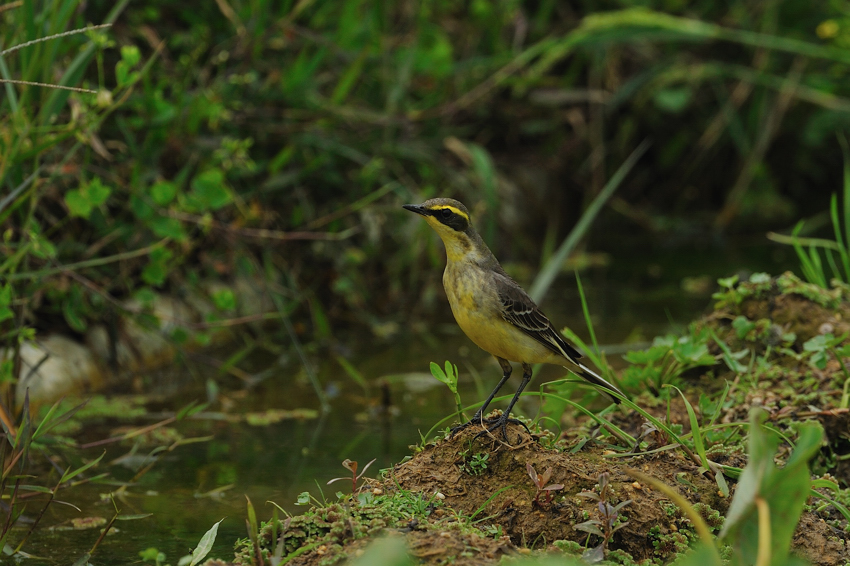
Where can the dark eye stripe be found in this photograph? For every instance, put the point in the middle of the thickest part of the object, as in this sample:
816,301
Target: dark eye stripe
451,217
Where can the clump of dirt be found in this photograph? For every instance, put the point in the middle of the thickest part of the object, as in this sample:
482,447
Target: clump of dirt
786,304
772,320
656,528
437,469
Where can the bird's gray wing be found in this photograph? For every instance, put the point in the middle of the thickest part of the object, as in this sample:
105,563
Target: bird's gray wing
519,309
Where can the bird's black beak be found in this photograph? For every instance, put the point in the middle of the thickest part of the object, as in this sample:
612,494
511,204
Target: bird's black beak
417,208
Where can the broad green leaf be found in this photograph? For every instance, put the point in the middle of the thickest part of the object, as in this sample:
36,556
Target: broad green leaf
156,270
742,326
205,545
784,490
209,191
163,192
167,227
141,209
71,311
83,200
438,372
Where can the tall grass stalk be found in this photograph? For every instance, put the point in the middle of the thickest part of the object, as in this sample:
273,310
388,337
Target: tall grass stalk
554,264
819,250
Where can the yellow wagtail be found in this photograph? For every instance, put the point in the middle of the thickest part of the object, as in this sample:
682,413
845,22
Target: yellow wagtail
493,310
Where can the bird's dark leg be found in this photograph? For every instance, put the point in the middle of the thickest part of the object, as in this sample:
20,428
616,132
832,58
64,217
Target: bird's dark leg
502,422
477,417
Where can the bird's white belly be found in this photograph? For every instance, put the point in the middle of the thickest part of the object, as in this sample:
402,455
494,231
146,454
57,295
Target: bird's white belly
477,310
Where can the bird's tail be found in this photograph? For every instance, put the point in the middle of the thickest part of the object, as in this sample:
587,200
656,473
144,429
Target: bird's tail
596,380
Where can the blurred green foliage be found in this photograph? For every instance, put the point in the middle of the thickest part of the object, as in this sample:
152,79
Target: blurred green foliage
275,139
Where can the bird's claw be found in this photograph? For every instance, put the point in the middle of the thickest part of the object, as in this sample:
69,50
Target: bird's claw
492,424
501,423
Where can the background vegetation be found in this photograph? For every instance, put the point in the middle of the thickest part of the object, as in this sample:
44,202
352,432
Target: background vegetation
276,139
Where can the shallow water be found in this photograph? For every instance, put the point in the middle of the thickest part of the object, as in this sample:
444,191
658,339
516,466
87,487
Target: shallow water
198,484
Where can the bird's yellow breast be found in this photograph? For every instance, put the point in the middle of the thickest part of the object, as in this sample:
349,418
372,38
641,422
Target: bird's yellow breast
477,309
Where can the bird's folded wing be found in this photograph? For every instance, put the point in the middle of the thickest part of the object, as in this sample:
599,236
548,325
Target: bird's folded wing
519,309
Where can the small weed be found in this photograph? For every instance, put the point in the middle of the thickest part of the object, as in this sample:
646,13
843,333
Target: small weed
449,378
608,523
711,516
351,466
668,545
494,531
540,483
475,464
667,358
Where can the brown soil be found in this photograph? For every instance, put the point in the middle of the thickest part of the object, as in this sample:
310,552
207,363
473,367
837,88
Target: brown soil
437,470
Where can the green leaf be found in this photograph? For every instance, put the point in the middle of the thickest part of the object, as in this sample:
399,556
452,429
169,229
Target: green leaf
156,271
205,545
818,343
209,191
448,377
163,192
224,299
167,227
5,302
150,553
388,551
742,326
784,490
141,209
438,372
72,474
83,200
303,498
645,357
131,55
673,100
71,310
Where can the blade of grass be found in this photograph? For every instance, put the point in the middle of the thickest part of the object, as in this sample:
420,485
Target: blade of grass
553,265
699,445
696,519
489,499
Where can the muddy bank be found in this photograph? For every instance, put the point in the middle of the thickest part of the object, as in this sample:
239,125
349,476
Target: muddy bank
777,344
453,505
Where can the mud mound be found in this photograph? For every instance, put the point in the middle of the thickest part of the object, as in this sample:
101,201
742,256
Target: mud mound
504,493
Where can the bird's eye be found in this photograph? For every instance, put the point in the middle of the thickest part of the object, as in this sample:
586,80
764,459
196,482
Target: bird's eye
446,213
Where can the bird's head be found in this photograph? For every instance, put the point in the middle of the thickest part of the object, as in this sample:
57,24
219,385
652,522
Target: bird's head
444,215
450,219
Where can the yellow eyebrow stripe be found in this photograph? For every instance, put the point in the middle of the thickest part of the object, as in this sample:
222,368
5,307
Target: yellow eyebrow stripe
457,211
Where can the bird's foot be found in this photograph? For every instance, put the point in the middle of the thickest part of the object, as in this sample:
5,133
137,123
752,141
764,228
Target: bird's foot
490,424
500,423
475,420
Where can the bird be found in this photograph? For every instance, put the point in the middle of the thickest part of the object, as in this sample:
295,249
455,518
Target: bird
495,312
